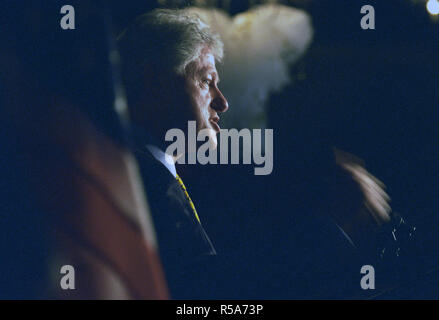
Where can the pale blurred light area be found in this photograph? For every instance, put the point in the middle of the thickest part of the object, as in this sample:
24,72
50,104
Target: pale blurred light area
433,7
260,46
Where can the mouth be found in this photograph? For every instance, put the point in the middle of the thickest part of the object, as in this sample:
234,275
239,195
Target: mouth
214,122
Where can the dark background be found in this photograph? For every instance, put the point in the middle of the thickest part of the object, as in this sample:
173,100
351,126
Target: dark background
369,92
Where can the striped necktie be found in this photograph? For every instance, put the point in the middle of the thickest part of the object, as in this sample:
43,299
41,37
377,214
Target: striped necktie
187,196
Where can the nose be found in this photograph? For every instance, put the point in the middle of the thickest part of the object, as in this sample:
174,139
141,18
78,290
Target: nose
219,102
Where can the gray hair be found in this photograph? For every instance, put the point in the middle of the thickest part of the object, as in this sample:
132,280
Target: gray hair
164,41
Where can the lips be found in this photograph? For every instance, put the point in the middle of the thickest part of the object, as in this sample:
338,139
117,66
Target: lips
214,122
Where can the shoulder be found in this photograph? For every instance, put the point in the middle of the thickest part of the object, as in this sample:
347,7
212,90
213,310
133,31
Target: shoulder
179,234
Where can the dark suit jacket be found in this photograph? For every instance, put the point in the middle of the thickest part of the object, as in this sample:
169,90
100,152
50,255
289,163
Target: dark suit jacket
194,270
182,240
303,263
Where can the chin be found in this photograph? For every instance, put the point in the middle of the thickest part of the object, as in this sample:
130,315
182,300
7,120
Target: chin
213,140
209,134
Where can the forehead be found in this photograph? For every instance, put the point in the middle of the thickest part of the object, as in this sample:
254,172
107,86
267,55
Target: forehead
206,62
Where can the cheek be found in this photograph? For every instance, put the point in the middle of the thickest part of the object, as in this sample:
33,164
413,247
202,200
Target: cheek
205,110
204,98
202,103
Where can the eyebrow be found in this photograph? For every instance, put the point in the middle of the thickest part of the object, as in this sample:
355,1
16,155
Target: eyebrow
215,76
210,71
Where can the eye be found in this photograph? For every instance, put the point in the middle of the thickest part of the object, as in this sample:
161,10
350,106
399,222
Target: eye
206,82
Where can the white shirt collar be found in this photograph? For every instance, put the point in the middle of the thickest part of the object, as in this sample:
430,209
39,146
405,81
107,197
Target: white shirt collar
164,158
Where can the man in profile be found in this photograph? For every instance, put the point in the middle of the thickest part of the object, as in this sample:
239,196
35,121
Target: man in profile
170,76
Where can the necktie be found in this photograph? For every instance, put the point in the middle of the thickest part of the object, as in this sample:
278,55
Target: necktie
187,196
